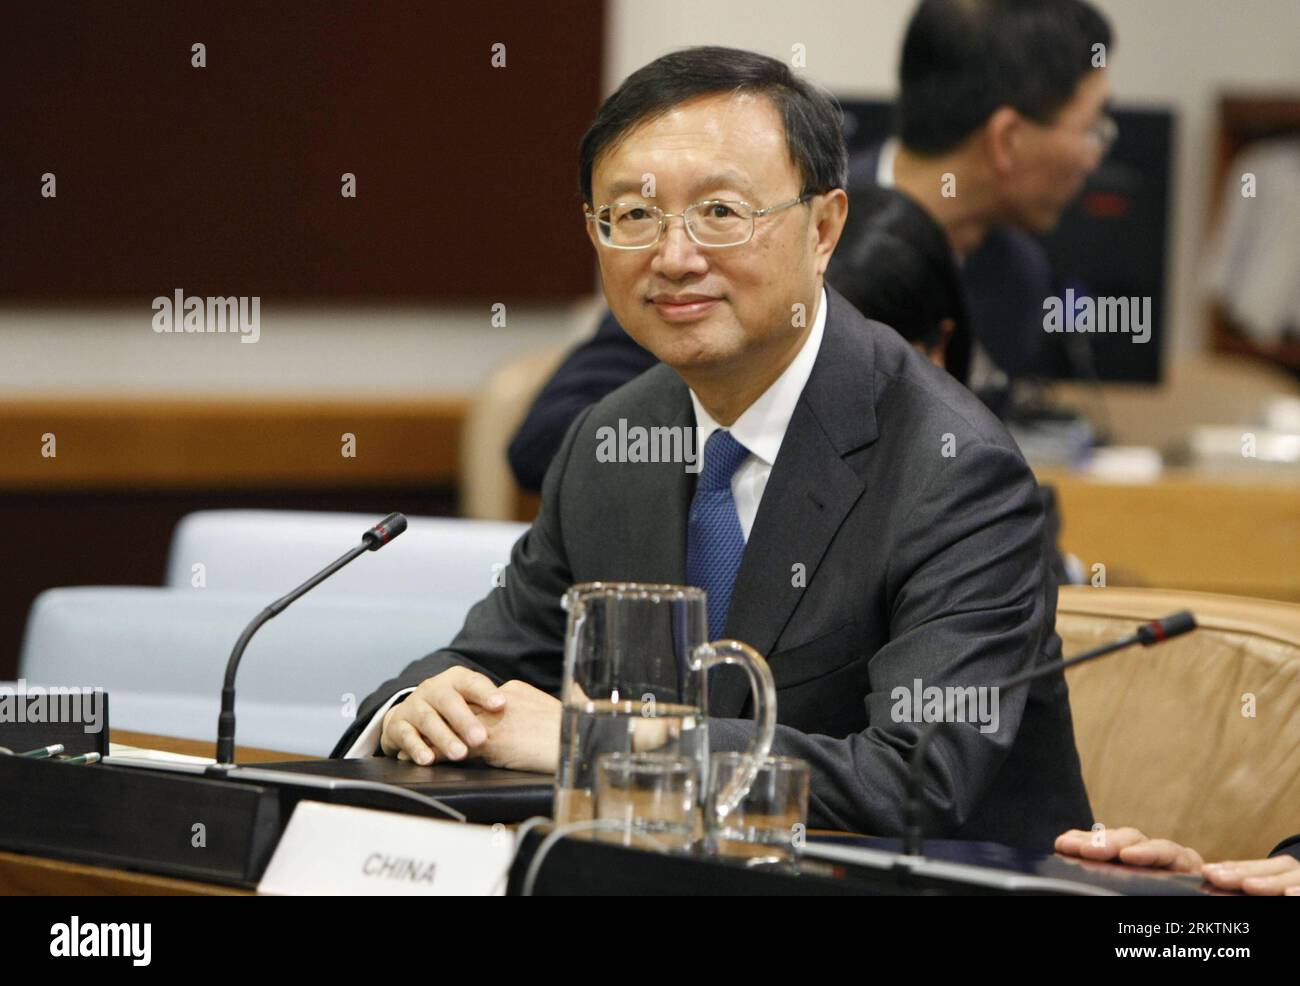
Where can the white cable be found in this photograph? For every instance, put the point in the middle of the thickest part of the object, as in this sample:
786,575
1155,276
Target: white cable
608,824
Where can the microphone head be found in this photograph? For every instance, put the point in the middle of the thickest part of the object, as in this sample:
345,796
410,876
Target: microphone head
1158,631
383,532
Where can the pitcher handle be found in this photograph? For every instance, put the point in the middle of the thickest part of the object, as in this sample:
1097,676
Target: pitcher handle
764,691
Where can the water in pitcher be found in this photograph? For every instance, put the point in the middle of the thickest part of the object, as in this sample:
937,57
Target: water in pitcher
594,728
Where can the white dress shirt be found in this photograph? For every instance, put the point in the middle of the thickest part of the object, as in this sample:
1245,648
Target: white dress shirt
761,429
762,426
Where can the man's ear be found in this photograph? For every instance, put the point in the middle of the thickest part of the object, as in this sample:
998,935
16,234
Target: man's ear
830,210
1003,135
947,326
933,354
938,352
590,227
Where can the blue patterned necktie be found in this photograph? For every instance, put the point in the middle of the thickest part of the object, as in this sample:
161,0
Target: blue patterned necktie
715,542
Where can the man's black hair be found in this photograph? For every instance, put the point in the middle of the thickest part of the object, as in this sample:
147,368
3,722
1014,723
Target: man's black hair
893,263
813,121
963,59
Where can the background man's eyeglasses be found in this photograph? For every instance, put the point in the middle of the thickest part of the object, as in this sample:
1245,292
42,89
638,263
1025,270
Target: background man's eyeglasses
712,223
1104,133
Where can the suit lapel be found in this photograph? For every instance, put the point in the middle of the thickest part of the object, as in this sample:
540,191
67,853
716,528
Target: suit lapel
809,493
657,502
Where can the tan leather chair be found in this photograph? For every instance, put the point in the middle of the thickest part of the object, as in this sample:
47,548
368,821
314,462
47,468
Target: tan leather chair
1166,735
487,486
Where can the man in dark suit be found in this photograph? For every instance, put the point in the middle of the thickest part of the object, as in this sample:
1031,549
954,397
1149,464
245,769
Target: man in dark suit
871,528
1001,116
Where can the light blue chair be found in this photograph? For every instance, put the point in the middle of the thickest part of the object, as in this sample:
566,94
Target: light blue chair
271,551
161,652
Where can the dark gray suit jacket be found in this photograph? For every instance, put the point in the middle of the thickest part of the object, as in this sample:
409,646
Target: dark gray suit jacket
917,565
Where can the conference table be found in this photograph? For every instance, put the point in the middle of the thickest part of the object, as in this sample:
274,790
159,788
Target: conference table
38,875
26,874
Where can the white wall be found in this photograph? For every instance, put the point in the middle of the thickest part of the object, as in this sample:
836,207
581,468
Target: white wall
338,351
1178,53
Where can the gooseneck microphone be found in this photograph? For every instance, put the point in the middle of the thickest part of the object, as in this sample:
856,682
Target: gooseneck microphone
372,540
1148,634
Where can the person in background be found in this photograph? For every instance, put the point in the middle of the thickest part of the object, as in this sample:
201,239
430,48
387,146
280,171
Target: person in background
1278,874
893,265
1001,117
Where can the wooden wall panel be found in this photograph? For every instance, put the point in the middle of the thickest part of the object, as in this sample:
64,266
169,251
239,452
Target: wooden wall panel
225,180
227,444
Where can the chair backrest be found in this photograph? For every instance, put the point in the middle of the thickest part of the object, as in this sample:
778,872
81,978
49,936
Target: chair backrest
487,486
272,551
161,654
1197,739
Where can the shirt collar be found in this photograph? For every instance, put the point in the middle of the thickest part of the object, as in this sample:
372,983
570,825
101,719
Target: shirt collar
762,426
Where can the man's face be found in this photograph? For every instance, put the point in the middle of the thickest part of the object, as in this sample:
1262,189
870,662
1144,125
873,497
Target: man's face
1051,162
730,147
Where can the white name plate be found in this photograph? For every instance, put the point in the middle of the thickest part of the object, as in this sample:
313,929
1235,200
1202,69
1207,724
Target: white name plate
341,850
